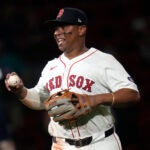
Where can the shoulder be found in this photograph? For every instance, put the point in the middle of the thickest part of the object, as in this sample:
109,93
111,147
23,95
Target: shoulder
103,56
52,62
49,64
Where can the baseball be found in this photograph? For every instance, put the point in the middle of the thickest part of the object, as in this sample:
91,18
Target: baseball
13,80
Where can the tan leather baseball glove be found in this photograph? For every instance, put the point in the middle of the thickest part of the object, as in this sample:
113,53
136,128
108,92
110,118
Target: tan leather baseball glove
67,105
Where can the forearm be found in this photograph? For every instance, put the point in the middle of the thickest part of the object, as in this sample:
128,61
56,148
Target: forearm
30,98
121,97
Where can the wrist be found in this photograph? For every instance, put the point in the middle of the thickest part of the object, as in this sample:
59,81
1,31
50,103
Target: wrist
105,99
113,99
21,93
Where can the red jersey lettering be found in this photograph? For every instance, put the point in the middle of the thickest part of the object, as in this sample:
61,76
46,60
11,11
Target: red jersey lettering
88,85
79,82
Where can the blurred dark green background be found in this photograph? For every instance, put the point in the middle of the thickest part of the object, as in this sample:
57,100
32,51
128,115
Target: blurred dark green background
119,27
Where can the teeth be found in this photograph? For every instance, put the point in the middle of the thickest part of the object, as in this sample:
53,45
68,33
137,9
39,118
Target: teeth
60,41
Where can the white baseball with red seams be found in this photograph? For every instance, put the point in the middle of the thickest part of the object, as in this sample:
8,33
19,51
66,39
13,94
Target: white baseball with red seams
85,74
13,80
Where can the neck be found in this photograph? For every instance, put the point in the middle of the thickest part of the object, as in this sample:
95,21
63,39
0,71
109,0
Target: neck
76,52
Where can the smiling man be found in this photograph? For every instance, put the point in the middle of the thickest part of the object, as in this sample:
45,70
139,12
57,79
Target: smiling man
81,86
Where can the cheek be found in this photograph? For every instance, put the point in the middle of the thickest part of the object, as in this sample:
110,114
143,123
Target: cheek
71,40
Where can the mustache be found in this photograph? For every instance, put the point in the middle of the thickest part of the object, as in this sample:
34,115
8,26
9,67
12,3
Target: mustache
67,33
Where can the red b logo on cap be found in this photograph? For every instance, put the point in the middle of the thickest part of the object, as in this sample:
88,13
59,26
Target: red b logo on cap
61,11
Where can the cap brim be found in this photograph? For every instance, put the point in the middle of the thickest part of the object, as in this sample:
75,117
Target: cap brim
54,23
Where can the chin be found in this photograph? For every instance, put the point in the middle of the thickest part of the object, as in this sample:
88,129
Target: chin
61,49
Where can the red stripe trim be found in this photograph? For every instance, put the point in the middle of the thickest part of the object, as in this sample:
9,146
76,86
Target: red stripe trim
75,63
63,64
62,61
117,142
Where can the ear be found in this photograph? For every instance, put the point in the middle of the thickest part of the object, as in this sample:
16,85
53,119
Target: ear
82,30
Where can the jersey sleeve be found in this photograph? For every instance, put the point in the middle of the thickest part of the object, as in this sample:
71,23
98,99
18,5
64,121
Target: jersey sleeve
116,75
40,86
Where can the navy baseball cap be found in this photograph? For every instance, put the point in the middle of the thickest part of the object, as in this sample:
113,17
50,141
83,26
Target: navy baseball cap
69,16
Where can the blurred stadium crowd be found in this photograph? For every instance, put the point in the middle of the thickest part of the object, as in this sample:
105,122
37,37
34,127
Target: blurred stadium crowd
119,27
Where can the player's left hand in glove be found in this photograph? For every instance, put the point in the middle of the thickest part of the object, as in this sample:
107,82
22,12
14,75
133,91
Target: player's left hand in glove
67,105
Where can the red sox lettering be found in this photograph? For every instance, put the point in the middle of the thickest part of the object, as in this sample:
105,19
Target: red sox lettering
74,81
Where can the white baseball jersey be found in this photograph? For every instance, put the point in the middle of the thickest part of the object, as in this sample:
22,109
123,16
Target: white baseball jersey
93,72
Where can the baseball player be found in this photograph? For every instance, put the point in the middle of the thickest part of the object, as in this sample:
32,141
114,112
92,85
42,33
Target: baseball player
96,79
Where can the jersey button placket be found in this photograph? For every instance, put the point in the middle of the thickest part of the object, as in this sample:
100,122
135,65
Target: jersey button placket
66,77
